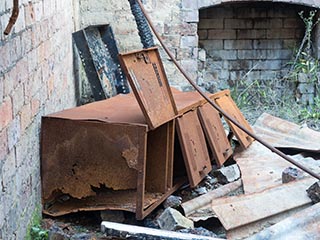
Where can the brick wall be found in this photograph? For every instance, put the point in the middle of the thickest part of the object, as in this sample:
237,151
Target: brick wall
35,79
175,23
251,41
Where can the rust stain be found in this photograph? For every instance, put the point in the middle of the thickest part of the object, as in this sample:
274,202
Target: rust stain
131,156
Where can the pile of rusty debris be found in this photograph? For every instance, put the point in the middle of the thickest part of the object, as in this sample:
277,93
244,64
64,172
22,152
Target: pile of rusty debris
132,152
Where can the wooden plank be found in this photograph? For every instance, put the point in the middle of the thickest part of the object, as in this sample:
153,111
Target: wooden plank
215,133
194,147
241,210
224,100
149,83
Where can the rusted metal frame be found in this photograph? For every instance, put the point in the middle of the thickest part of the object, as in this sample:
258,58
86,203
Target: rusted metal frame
91,72
13,18
273,149
146,76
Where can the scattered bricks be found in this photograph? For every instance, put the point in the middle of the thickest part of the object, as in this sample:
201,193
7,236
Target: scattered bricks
227,174
222,34
237,44
267,44
199,231
172,201
5,112
251,34
291,174
173,220
56,233
238,23
112,216
314,192
211,24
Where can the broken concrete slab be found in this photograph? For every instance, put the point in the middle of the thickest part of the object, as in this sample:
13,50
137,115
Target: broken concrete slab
291,174
314,192
172,219
227,174
136,232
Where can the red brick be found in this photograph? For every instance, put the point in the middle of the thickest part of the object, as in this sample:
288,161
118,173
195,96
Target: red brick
5,113
25,117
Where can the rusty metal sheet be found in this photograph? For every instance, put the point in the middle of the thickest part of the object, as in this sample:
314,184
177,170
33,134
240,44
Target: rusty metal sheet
80,155
261,168
224,100
107,111
237,211
284,134
302,225
149,83
194,147
215,133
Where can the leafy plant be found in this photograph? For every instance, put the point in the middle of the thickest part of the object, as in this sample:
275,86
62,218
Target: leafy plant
37,233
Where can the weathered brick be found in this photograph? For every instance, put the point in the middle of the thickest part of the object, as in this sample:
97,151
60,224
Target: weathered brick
189,4
280,34
25,117
247,12
29,13
216,23
13,133
238,23
293,23
251,34
240,64
267,23
279,54
223,54
281,12
220,12
1,89
38,10
269,65
252,54
189,41
267,44
17,99
203,34
191,16
222,34
3,144
5,112
237,44
211,44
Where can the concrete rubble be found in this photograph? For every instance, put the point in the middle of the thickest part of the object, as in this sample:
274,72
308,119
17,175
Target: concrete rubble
172,220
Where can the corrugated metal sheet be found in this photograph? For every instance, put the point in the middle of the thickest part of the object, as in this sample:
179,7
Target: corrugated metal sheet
302,225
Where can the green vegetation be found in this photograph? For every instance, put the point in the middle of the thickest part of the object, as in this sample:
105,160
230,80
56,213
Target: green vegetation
34,231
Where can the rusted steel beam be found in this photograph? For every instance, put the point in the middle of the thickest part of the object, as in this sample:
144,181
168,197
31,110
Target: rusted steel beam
13,18
227,116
